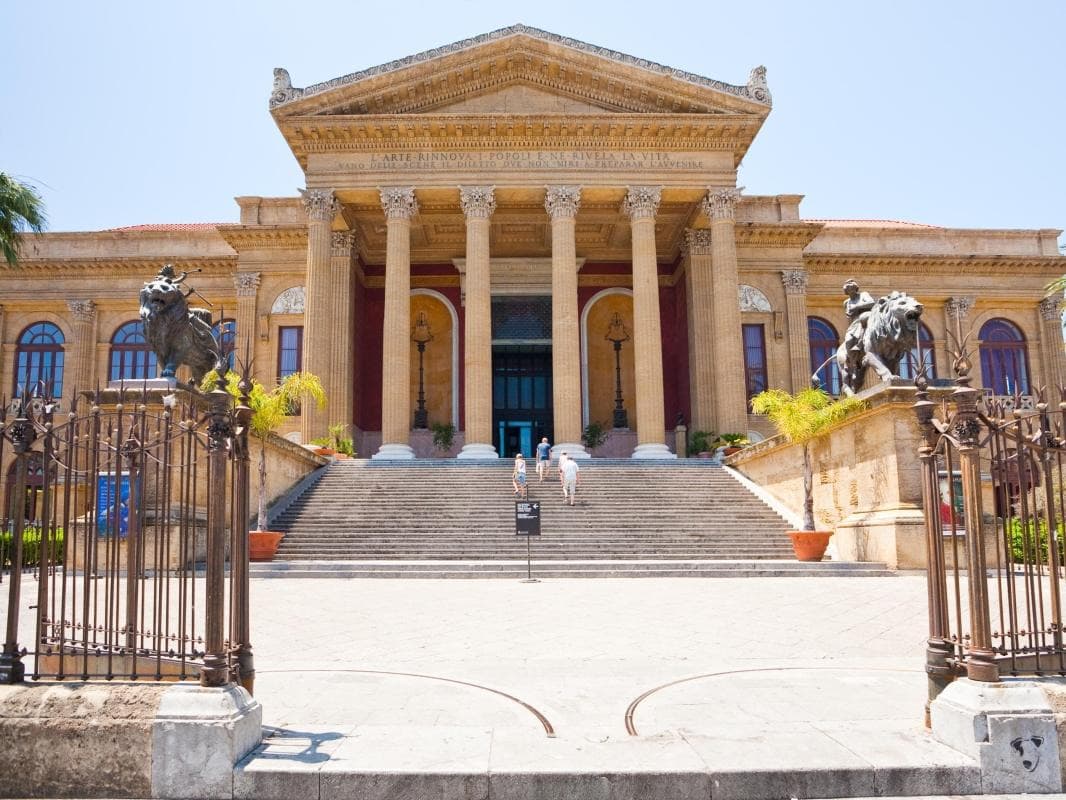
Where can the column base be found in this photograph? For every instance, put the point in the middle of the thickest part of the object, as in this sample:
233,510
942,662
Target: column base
653,450
571,449
393,452
477,450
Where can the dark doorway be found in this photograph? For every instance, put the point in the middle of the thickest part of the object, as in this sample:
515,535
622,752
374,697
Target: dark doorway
521,397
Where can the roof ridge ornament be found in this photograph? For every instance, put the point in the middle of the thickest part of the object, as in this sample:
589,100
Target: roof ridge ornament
758,88
283,90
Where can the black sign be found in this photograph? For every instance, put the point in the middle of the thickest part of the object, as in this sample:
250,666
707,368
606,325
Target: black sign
527,518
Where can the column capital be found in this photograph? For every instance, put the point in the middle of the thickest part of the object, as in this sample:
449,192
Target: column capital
247,283
399,202
1051,308
642,202
697,242
320,204
794,281
478,202
958,308
342,242
562,202
721,203
83,310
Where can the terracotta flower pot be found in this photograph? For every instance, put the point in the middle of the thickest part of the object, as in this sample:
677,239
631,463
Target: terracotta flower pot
262,545
810,545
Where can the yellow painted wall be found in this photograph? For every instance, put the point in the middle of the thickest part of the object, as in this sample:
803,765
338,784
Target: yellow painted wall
601,361
438,359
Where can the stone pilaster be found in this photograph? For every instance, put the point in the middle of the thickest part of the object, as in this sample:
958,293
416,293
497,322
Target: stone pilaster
562,203
730,395
478,204
700,329
321,207
342,363
79,368
640,205
399,205
247,286
1053,346
799,348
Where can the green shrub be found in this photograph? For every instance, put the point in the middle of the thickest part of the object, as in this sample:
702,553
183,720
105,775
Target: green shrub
443,436
1024,538
594,435
700,441
31,547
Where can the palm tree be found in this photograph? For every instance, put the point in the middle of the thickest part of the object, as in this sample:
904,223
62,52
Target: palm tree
21,208
801,418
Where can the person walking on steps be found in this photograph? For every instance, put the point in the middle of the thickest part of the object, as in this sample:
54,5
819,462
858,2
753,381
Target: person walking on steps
563,458
518,477
569,471
544,459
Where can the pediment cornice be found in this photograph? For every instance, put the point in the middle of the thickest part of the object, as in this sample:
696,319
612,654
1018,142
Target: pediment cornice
264,237
79,267
998,266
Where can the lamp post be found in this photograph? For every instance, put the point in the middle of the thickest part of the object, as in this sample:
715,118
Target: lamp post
617,334
420,336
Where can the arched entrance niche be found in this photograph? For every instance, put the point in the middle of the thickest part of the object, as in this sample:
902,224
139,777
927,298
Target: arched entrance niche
597,358
441,358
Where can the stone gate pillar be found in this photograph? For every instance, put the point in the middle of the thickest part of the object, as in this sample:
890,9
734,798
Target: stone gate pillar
799,349
321,206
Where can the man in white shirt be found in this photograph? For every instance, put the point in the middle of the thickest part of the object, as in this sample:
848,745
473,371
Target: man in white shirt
569,471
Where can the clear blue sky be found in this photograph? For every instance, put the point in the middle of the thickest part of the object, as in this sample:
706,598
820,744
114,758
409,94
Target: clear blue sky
950,113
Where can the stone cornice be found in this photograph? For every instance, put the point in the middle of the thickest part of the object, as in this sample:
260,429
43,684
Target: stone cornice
146,266
770,234
1001,266
525,43
264,237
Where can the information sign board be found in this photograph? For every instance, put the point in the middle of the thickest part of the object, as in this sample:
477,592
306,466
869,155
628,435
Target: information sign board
527,518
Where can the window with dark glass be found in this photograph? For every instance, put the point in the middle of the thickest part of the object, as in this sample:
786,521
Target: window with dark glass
1004,358
754,359
921,355
823,340
290,356
131,357
39,360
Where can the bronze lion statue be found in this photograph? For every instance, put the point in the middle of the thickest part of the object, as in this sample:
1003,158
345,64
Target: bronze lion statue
176,333
884,337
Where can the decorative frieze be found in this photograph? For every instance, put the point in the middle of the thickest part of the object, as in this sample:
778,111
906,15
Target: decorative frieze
478,202
794,281
697,241
958,308
562,201
82,310
1051,308
342,242
399,202
320,204
247,283
721,203
642,202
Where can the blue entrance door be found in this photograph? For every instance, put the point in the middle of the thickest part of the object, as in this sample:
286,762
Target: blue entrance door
515,436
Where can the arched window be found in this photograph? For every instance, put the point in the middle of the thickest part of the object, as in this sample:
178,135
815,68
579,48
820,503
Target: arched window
1004,357
39,359
226,335
823,340
921,355
131,357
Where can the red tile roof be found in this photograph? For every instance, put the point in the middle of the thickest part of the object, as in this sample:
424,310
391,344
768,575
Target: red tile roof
870,223
170,226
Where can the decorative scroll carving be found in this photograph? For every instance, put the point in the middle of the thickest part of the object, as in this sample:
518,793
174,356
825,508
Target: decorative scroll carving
1051,308
320,204
751,299
283,90
562,201
82,310
757,86
794,281
247,283
958,308
642,202
291,301
342,242
721,203
697,241
399,202
478,202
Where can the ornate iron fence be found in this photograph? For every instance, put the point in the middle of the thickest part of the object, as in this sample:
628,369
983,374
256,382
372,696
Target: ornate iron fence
138,536
992,488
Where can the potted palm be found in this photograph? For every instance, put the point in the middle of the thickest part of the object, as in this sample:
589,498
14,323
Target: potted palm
801,418
269,410
700,443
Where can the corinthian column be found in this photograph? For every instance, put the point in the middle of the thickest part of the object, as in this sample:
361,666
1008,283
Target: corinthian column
400,205
321,206
562,203
1053,347
341,371
799,349
730,395
478,203
247,286
82,351
700,319
640,204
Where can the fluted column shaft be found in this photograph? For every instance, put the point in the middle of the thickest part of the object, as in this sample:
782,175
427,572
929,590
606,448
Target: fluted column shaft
1054,353
341,370
80,368
400,205
641,203
700,321
799,349
321,207
730,394
478,204
247,286
562,203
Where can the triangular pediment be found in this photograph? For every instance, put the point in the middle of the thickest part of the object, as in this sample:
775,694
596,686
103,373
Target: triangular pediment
519,70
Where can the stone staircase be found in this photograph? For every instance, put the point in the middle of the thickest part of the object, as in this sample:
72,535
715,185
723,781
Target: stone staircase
447,518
